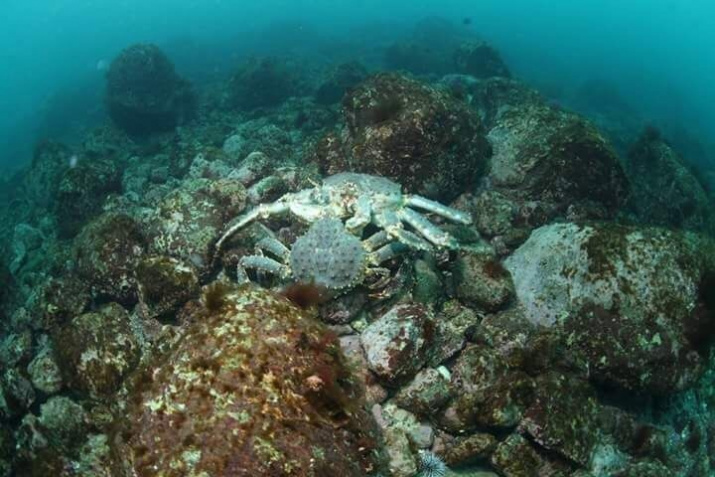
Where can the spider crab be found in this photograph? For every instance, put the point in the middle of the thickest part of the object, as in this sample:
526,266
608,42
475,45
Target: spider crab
361,200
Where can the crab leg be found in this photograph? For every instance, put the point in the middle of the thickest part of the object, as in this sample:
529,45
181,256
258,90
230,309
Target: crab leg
431,206
375,241
429,230
264,264
387,252
390,222
273,246
262,211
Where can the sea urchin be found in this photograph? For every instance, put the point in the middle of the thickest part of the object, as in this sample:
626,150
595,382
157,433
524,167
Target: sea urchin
430,465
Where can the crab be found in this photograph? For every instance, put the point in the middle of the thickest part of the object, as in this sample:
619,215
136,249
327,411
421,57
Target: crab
361,200
327,255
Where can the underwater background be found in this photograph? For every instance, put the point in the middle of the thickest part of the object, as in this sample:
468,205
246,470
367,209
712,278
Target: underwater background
367,238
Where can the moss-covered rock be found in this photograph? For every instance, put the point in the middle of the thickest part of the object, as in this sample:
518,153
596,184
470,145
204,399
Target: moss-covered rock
482,281
255,387
96,351
107,253
629,302
517,457
488,393
82,192
144,92
264,82
554,163
664,191
166,284
340,79
189,219
481,60
405,130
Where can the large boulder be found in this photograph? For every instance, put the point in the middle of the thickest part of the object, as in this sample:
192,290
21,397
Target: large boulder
555,160
145,94
263,82
97,350
339,80
479,59
107,253
188,220
428,49
631,302
664,191
410,132
547,165
254,387
82,191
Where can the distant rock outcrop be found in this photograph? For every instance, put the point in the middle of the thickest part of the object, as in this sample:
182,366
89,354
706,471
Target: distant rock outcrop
145,94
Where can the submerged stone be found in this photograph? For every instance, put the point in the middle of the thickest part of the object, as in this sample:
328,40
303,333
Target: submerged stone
410,132
629,301
254,387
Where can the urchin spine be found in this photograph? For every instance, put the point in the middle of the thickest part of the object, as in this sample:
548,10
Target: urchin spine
430,465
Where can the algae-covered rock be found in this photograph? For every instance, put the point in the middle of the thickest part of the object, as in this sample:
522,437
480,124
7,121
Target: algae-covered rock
145,94
479,59
425,394
339,80
645,468
664,191
44,371
467,450
456,323
96,351
82,192
398,344
263,82
166,284
517,457
402,462
50,160
551,162
107,253
254,387
564,417
46,442
628,300
488,392
482,281
405,130
16,393
389,416
60,299
189,219
7,450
